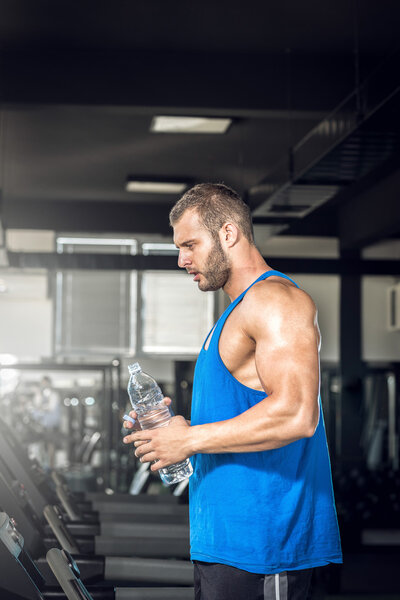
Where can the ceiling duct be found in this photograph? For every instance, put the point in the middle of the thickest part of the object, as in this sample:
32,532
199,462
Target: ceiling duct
296,200
359,135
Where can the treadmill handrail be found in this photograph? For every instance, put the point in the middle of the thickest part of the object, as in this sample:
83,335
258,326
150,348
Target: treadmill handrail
71,585
59,529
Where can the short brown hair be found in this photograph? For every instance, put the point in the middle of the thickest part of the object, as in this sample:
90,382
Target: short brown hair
215,204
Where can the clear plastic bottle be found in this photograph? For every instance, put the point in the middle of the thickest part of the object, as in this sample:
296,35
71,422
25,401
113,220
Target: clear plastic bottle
146,399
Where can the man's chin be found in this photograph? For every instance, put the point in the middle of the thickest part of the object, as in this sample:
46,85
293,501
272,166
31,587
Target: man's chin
205,286
212,283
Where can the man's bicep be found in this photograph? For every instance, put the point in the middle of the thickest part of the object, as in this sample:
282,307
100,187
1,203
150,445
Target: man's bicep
287,364
287,360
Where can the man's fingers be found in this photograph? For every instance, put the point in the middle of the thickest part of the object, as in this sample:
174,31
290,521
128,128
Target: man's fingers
158,464
131,437
130,421
149,457
139,443
137,435
142,448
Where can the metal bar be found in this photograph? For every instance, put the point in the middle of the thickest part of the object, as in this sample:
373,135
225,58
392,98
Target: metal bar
338,423
351,367
58,309
106,434
78,216
393,454
140,313
119,404
44,366
329,266
119,262
109,426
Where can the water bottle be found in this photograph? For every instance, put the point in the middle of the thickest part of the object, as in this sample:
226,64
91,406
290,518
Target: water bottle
147,400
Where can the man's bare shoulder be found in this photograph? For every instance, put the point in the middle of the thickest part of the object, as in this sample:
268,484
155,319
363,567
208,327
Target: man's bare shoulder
275,292
276,298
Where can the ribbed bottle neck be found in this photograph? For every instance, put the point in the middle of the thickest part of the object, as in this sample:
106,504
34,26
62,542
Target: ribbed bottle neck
134,368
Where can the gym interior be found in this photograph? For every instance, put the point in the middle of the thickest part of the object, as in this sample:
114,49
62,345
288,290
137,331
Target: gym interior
109,112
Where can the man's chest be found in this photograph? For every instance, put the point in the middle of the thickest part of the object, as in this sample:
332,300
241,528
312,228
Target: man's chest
237,351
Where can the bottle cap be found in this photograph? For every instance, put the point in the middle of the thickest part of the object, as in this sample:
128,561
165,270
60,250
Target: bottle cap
135,368
130,419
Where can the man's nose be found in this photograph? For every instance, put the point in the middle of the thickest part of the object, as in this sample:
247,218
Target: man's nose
183,259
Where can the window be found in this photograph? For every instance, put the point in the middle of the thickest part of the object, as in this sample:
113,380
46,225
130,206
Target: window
176,315
91,244
93,308
93,312
112,313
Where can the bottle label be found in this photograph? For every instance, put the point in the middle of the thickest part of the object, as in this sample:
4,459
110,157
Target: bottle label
157,417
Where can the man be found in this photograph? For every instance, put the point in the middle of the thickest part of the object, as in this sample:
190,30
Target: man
261,503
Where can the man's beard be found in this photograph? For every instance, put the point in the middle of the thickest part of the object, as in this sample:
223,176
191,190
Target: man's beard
216,270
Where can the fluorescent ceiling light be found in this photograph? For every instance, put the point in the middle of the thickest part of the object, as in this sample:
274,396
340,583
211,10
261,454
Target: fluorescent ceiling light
95,241
155,187
169,124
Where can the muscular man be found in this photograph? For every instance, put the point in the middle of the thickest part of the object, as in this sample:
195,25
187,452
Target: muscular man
262,511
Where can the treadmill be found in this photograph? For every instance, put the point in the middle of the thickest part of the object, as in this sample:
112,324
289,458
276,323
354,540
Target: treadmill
153,545
157,533
20,577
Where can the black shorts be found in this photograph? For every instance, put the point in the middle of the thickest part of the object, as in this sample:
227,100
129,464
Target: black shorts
214,581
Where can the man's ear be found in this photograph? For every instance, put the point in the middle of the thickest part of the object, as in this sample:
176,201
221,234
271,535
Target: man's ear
229,234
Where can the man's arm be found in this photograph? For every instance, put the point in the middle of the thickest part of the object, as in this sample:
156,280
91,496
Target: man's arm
282,322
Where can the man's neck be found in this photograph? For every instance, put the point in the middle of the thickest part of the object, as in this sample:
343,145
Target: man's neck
246,267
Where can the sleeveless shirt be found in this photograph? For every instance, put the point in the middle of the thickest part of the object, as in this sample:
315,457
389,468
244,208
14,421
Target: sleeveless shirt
263,512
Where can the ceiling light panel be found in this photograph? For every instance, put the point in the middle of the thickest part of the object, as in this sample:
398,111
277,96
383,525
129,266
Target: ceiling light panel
155,187
171,124
91,241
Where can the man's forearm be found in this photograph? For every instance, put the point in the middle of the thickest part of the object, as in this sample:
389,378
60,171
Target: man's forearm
254,430
272,423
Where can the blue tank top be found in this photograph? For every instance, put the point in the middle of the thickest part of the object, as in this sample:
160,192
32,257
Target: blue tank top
263,512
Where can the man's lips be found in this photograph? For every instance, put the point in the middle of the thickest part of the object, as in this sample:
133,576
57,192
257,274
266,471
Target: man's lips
196,275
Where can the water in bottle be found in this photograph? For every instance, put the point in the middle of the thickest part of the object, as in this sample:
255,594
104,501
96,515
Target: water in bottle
147,400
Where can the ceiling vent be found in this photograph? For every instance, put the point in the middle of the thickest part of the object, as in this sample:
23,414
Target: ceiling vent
357,137
295,200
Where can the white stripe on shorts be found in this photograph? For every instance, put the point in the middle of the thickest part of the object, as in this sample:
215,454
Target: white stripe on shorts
276,586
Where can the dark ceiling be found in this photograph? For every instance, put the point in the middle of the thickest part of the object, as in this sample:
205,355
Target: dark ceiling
81,82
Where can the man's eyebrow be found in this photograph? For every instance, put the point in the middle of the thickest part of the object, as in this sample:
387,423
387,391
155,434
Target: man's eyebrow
186,243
